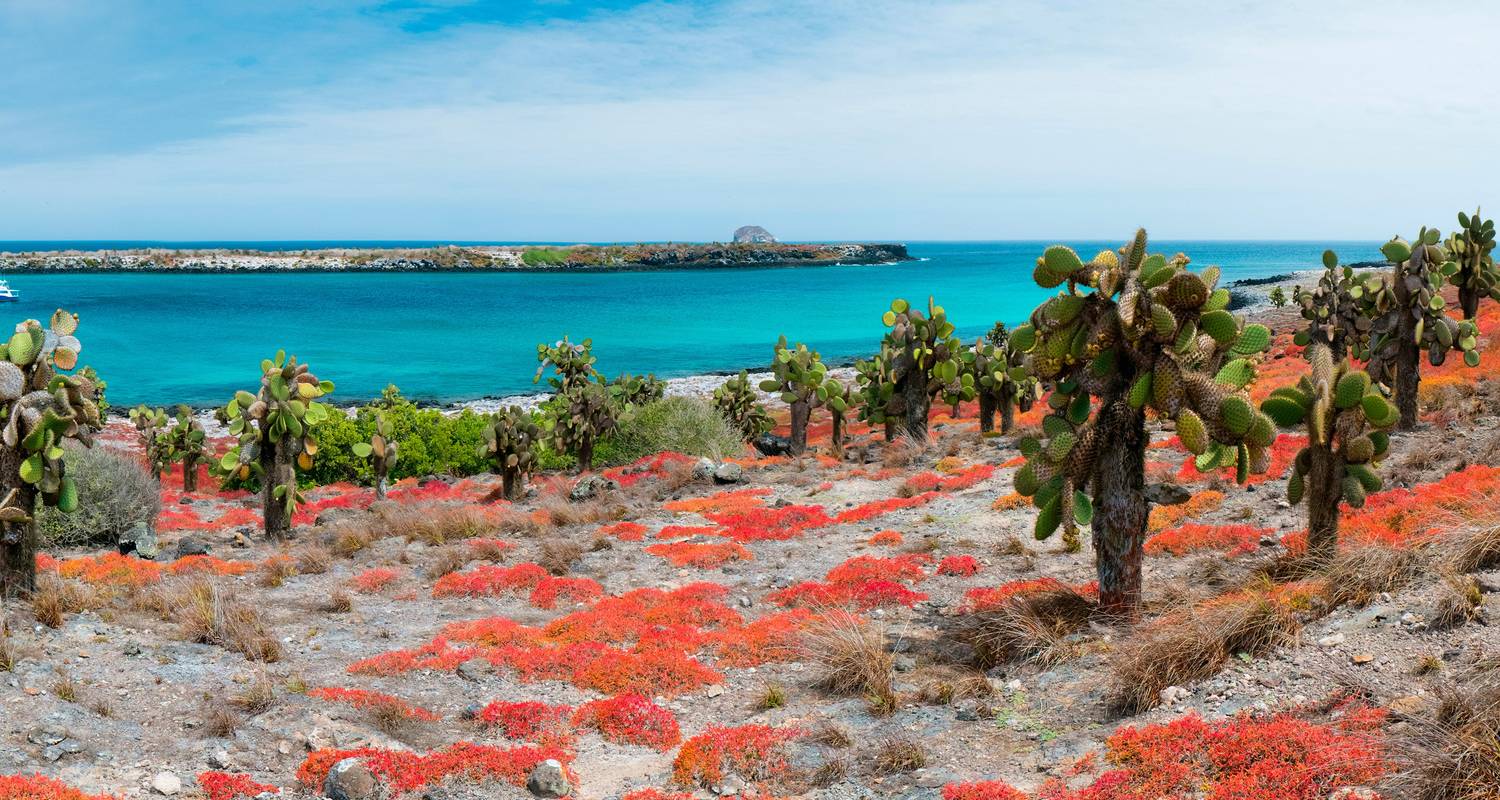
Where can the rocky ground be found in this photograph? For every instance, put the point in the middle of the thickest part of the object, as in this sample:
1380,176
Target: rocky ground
132,677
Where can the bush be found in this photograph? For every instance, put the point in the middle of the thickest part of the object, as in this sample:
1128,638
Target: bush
430,442
115,493
688,425
544,256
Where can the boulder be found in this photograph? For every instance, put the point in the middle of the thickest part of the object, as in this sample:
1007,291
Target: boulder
729,473
753,234
141,540
769,444
190,546
591,486
549,780
350,779
1167,494
166,783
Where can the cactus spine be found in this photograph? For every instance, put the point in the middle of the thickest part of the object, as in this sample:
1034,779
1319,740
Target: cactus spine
1003,382
185,442
736,401
510,445
1345,416
381,451
925,363
42,408
1149,333
275,431
1471,248
797,374
1409,315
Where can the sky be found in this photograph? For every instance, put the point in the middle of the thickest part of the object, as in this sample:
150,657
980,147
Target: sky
620,120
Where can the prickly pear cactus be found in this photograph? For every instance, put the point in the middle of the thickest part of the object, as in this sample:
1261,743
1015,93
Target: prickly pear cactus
838,398
876,393
737,402
1277,297
573,364
1130,331
582,415
150,427
1471,249
1410,315
797,374
90,375
510,445
1001,380
1335,309
42,408
926,362
276,440
381,450
633,391
1345,415
185,443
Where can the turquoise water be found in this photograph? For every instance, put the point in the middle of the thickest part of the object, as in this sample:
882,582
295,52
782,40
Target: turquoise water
448,337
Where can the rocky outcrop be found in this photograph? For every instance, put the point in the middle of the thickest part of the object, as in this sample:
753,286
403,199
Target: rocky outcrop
753,234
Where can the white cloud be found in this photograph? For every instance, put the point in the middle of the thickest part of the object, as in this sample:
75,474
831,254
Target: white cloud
883,119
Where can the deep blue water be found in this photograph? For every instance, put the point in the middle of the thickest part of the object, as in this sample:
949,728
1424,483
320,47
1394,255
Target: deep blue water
163,338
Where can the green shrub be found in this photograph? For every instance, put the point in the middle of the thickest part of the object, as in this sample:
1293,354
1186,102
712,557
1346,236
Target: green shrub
115,492
431,442
687,425
544,256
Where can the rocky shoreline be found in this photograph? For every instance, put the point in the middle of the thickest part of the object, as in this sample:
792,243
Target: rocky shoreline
453,258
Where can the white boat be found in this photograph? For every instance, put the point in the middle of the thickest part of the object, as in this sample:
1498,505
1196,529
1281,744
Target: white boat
7,294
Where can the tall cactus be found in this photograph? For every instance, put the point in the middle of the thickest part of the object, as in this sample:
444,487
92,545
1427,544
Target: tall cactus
797,374
1277,297
1471,248
838,398
1131,330
510,445
582,416
737,402
925,362
573,364
382,452
630,391
42,408
150,426
275,429
1003,382
186,443
878,402
1335,310
1345,416
1410,315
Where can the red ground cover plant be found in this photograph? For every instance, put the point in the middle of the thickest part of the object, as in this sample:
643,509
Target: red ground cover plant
228,786
958,566
527,721
982,790
964,479
367,700
771,638
886,538
864,582
701,554
435,655
656,794
685,531
653,466
768,524
488,579
1192,537
625,531
991,598
40,787
577,590
196,565
1243,758
1164,517
630,719
402,771
754,752
726,502
374,579
876,508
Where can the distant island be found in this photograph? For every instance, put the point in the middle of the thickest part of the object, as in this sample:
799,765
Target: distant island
454,258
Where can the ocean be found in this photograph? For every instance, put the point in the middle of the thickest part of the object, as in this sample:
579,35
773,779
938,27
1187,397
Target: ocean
449,337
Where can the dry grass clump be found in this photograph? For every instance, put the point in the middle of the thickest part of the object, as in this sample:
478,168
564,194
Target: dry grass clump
1459,602
274,571
220,719
830,734
442,523
562,512
1471,544
828,773
257,697
949,686
558,555
850,658
898,755
209,614
65,688
339,602
350,537
1192,645
1031,627
446,560
10,652
772,696
1452,753
312,559
903,452
55,597
1360,573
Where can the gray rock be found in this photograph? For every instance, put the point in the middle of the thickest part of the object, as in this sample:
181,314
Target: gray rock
769,444
166,783
475,668
591,486
703,470
729,473
190,546
350,779
548,780
141,540
904,663
1167,494
753,234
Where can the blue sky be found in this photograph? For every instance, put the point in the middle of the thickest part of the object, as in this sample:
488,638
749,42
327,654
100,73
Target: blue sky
669,119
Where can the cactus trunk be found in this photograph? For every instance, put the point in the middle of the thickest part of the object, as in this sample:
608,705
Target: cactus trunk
1119,523
380,473
276,460
1468,300
986,412
512,484
801,411
836,437
917,402
189,474
1325,475
18,541
586,455
1007,415
1408,352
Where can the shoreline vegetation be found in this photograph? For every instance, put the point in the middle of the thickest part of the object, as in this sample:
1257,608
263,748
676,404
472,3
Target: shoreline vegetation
454,258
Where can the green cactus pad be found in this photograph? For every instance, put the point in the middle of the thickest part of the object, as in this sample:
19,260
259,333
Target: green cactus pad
1369,479
1236,415
1186,290
1237,373
1396,251
1140,391
1354,492
1219,324
1262,430
1163,322
1218,300
1295,487
1255,338
1083,508
1379,411
1025,480
1049,519
1191,431
1382,442
1284,411
1351,389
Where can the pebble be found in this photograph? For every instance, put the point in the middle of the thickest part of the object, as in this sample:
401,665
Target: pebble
1331,640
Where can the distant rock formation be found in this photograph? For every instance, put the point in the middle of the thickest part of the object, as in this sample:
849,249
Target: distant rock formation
753,234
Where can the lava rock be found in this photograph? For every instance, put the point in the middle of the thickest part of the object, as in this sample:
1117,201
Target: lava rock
141,540
769,444
1167,494
166,783
548,780
753,234
729,473
190,546
350,779
591,486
